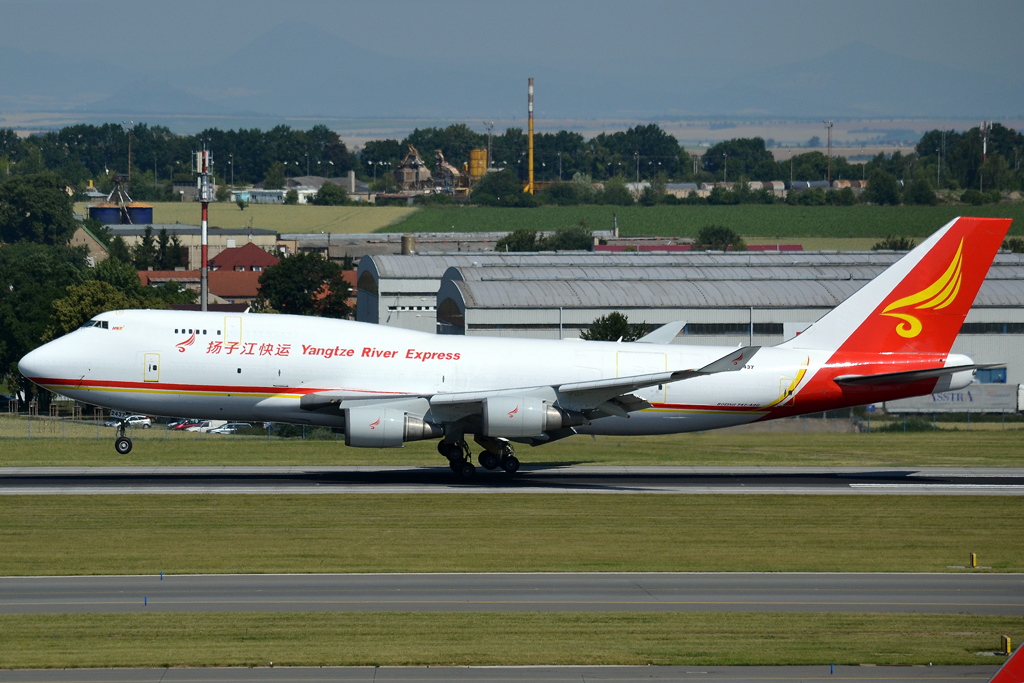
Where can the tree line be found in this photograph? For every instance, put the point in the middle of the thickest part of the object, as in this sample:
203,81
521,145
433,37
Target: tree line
945,160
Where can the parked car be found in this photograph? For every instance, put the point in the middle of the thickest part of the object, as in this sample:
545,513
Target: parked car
206,425
141,421
182,424
230,428
5,400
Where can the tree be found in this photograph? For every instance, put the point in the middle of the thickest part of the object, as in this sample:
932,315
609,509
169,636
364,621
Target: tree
894,243
144,253
119,250
223,193
718,238
882,188
614,327
82,302
330,194
518,240
32,276
501,189
291,197
36,208
616,193
561,194
305,284
1015,245
241,204
274,178
120,275
920,192
578,237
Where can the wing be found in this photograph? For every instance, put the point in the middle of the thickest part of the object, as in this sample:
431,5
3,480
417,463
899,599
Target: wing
612,396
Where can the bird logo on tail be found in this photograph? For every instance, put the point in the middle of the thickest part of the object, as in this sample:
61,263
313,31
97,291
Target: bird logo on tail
938,295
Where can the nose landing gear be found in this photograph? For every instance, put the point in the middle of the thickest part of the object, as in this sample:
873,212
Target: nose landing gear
122,444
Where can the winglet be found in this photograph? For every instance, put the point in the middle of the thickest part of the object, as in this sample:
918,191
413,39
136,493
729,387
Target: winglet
1012,670
731,363
664,334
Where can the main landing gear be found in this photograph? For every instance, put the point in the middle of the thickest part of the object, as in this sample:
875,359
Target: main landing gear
497,453
122,444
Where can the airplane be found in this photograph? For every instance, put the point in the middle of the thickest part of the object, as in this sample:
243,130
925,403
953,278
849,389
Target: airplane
383,386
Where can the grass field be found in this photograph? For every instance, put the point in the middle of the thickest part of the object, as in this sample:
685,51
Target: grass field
284,219
195,534
987,448
396,639
752,221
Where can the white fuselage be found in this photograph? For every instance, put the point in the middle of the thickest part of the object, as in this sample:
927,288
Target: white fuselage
257,367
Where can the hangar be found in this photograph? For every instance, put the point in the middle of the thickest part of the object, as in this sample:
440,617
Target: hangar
725,298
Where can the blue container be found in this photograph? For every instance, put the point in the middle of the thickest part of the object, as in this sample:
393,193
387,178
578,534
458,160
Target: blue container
140,214
106,213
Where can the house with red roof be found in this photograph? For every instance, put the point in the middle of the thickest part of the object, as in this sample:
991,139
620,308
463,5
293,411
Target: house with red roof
247,258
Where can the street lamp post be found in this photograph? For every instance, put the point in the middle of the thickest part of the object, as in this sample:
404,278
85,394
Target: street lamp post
636,155
231,162
307,163
725,167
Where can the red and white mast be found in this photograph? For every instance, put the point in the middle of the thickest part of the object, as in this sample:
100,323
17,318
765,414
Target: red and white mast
204,160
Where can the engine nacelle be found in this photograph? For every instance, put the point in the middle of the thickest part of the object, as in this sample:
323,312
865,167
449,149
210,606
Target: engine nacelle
379,427
517,417
957,380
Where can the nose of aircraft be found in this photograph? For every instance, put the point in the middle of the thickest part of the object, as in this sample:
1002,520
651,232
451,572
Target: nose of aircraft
38,363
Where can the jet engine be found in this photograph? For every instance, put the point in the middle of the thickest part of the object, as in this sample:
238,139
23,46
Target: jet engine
380,427
513,417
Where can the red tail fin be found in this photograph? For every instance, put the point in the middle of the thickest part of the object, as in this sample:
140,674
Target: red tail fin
1012,670
919,304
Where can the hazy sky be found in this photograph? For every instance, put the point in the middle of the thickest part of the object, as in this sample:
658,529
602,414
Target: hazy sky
609,52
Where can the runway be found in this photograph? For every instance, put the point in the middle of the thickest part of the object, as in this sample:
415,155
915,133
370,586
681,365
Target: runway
506,674
530,479
991,594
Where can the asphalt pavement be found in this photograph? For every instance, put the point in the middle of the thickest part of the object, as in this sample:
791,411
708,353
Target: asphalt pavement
991,594
530,479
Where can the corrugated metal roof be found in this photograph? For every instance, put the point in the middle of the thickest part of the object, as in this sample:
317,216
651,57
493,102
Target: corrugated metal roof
687,294
397,266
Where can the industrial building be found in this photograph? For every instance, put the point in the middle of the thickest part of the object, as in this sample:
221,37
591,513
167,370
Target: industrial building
725,298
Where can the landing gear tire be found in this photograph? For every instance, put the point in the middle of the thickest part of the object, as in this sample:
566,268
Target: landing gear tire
510,464
488,460
467,470
455,465
123,445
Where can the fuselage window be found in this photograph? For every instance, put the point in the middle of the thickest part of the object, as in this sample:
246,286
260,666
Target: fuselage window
204,331
175,330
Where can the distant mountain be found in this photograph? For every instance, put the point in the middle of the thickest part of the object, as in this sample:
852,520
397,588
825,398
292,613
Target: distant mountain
297,69
146,96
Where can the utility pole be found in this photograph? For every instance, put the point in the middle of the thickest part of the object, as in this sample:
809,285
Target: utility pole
725,168
529,185
128,127
636,155
489,125
938,168
203,161
828,124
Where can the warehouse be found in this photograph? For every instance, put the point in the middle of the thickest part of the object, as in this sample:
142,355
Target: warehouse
725,299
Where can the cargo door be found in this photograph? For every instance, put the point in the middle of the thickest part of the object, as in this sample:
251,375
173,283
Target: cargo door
233,329
629,363
152,369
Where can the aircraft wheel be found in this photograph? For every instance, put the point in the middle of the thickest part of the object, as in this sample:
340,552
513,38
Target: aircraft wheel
489,460
467,470
455,466
510,464
123,445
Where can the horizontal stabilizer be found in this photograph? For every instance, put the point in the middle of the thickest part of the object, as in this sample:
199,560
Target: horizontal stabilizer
1012,670
664,334
908,376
